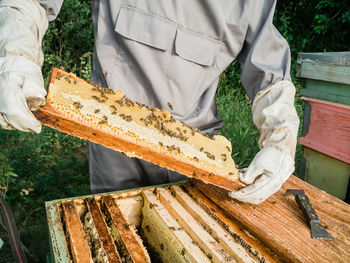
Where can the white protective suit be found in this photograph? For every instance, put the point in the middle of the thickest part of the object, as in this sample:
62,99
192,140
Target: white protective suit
168,51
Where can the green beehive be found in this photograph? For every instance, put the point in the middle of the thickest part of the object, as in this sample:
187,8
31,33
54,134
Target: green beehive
326,173
327,75
326,79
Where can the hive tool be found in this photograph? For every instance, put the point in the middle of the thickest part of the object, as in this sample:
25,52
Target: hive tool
317,230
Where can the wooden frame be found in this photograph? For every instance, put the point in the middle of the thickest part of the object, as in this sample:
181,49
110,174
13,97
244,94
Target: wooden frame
52,118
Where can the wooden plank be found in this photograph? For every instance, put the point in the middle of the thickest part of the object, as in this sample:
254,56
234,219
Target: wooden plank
232,247
48,116
280,224
58,245
207,243
133,245
324,90
326,173
329,129
165,234
324,71
102,230
241,234
79,247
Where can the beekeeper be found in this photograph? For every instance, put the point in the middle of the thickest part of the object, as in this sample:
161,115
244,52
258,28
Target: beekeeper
159,52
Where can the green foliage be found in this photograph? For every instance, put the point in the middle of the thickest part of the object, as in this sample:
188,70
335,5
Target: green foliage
37,168
314,25
69,41
50,165
7,176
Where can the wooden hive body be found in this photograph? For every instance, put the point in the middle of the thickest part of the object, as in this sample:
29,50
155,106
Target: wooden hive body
196,222
327,129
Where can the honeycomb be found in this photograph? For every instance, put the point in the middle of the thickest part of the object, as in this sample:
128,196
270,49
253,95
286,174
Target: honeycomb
115,114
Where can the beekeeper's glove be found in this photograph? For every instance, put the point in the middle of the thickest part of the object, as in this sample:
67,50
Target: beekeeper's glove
276,118
22,26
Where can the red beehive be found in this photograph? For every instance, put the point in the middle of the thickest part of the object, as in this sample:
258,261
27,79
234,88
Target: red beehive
328,130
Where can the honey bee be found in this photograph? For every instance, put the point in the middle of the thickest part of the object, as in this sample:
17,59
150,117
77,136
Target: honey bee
77,105
76,81
196,159
170,106
206,135
128,118
105,73
223,157
95,98
228,148
97,111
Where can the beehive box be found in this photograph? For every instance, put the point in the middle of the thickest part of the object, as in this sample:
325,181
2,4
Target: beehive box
326,76
156,224
326,173
326,128
195,222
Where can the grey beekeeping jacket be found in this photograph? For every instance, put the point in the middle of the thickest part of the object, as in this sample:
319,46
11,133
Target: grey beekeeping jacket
160,51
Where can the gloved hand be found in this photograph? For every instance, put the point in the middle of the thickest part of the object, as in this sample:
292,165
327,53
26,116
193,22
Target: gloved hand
276,118
22,26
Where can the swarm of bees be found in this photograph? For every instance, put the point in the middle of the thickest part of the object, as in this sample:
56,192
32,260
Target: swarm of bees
68,78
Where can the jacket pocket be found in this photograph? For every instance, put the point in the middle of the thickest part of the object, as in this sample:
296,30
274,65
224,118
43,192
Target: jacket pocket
196,48
145,28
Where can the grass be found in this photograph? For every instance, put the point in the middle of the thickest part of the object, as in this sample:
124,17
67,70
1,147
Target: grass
234,107
52,165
